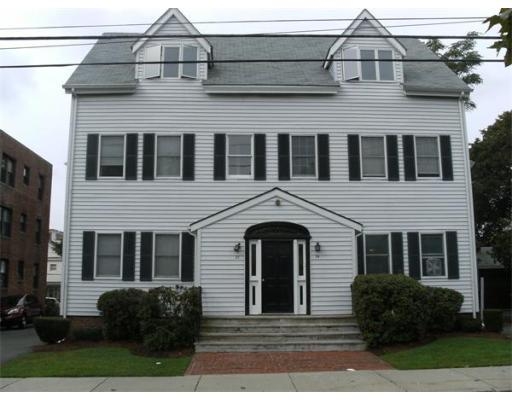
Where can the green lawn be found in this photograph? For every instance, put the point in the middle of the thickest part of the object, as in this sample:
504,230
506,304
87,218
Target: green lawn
453,352
96,361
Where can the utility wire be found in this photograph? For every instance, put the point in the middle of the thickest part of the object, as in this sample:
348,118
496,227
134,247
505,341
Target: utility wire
227,61
304,31
237,22
240,35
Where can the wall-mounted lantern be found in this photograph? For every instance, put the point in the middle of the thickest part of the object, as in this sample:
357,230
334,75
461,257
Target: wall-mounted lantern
237,247
318,247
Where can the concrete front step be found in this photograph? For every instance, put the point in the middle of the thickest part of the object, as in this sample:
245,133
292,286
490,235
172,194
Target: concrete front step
301,329
275,337
277,320
319,345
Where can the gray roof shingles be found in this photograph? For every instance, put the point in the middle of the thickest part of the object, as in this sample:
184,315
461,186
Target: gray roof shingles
418,76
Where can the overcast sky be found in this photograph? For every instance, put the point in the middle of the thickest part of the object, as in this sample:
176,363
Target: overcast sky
35,110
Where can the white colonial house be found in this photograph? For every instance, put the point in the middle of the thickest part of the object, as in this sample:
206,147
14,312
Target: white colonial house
270,185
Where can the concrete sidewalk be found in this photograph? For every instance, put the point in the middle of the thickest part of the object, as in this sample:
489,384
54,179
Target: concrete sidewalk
435,380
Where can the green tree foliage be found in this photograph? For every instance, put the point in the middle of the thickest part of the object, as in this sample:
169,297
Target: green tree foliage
460,50
492,177
504,20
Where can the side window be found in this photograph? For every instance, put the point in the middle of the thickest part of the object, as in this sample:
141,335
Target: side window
8,170
303,152
3,273
112,156
38,230
377,254
427,156
373,156
432,255
40,189
5,221
168,156
239,155
108,255
26,175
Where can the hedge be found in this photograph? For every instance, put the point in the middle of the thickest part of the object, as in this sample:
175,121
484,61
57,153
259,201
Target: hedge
52,329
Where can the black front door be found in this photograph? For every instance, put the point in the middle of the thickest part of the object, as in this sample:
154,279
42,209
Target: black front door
277,276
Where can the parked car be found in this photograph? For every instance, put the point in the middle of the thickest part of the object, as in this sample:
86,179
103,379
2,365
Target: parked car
19,310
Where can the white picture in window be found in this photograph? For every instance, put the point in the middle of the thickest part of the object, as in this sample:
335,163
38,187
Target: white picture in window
434,266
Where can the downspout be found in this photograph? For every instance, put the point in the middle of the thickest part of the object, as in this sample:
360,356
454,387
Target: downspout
197,255
67,208
469,200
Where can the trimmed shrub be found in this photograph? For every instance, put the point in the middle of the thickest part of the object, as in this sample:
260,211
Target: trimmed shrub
51,309
466,323
88,334
120,309
389,308
443,306
161,339
52,329
493,320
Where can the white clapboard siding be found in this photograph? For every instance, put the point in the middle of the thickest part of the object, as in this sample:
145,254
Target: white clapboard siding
181,106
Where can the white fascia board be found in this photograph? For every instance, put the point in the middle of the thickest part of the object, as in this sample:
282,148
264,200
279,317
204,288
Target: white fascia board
275,193
273,89
172,12
353,26
455,94
100,89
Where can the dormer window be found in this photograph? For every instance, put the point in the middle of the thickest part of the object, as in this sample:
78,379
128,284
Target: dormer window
376,68
171,56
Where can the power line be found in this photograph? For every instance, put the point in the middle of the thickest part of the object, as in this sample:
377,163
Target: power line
240,35
239,22
228,61
304,31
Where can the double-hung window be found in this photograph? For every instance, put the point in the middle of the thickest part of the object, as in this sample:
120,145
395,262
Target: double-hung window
168,156
8,170
38,230
112,155
427,156
432,255
108,255
374,64
239,155
4,277
26,175
377,254
167,256
373,156
40,189
5,221
173,54
303,156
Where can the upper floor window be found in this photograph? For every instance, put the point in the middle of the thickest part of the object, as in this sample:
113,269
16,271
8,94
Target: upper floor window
20,271
167,256
171,56
53,267
26,175
35,276
4,277
112,155
432,255
8,170
373,156
377,254
168,156
40,189
23,222
5,221
108,255
372,67
427,156
303,156
239,155
38,230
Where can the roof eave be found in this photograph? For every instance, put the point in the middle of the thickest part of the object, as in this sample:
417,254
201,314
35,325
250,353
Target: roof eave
100,89
269,89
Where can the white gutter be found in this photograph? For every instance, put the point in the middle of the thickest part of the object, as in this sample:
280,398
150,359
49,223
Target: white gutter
67,208
469,201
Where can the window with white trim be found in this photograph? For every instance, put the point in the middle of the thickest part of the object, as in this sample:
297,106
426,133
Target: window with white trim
375,68
239,155
167,256
173,54
108,255
303,156
373,156
433,255
377,254
112,155
168,156
427,156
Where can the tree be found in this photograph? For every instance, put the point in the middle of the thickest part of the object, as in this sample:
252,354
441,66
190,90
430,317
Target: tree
465,50
492,177
57,247
504,19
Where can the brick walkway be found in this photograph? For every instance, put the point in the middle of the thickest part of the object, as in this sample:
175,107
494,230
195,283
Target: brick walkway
271,362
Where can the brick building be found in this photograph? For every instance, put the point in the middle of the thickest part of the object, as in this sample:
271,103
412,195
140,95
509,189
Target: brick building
25,189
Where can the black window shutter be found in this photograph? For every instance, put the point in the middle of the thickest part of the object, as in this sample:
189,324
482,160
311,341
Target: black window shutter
409,161
324,172
131,156
146,256
189,146
91,163
283,152
392,153
360,255
219,157
187,257
397,252
260,157
129,256
88,255
354,164
413,243
453,255
446,158
148,158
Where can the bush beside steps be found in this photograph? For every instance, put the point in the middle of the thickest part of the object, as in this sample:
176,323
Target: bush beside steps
52,329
